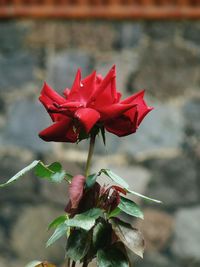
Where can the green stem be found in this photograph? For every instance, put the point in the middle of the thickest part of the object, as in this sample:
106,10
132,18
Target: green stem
90,153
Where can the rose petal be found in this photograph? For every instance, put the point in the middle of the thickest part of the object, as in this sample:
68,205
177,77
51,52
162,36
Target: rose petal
88,117
46,102
123,125
66,92
71,105
61,131
88,86
103,85
143,112
51,95
134,98
142,107
74,94
114,110
108,95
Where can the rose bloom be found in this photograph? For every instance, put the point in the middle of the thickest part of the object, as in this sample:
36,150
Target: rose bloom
92,103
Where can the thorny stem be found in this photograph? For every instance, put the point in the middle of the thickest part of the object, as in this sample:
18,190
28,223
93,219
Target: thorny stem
90,153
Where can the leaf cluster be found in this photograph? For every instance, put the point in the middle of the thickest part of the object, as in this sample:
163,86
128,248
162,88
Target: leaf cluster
90,223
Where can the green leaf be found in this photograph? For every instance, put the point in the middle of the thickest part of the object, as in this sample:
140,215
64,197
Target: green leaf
21,173
55,223
60,231
78,244
46,171
101,235
55,167
91,180
85,220
130,207
117,179
142,196
131,237
111,257
53,172
43,171
114,212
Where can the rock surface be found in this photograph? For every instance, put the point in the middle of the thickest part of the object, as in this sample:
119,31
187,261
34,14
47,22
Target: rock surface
12,77
161,160
63,67
161,129
186,244
27,118
162,70
157,229
30,231
156,259
172,179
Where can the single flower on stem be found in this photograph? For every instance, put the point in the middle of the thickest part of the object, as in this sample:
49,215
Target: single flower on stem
92,102
90,224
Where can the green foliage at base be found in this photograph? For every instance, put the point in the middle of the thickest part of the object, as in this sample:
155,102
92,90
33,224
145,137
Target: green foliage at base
91,227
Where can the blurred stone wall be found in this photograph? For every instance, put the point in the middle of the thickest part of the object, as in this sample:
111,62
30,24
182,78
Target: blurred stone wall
161,159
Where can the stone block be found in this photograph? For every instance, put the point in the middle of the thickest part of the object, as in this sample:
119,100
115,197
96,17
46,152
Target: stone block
163,68
174,181
126,65
29,235
17,70
3,238
162,129
12,161
48,34
26,119
157,228
155,259
130,35
191,111
186,244
12,35
96,36
62,68
161,30
191,32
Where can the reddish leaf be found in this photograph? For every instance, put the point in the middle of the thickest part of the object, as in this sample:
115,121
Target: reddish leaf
114,200
90,198
76,190
110,197
119,189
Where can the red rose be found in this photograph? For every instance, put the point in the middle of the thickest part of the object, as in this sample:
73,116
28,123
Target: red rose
91,102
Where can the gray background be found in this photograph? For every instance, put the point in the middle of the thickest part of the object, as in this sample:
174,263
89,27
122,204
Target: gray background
160,160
